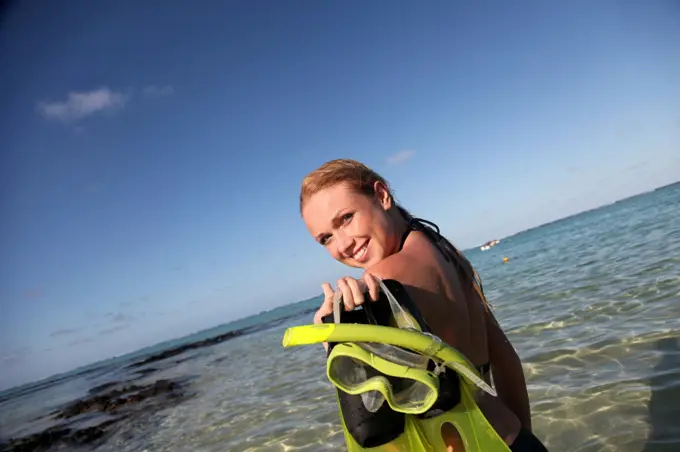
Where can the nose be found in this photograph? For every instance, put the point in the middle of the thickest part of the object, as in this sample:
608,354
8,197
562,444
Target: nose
345,244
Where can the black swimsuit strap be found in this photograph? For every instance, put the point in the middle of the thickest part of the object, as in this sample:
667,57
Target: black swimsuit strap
432,233
414,224
404,236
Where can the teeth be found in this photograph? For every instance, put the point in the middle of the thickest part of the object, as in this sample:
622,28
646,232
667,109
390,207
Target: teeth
359,254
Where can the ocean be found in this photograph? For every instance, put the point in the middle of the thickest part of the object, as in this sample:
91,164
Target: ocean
591,303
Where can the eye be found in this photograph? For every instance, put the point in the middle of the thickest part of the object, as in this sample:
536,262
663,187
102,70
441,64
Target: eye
324,240
346,217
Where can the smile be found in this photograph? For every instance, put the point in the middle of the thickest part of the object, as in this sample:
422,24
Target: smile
361,252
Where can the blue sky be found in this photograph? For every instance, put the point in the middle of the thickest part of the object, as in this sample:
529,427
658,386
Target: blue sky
152,155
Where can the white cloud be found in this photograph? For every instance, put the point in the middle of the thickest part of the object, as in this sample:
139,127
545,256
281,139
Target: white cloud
400,157
158,91
78,105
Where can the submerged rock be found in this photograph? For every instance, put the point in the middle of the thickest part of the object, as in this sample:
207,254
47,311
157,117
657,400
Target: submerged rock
118,398
214,340
76,429
57,436
190,346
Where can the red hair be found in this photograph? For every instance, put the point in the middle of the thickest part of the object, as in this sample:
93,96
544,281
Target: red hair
360,177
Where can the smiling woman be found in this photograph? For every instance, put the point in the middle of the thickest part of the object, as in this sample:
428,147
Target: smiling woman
349,209
338,203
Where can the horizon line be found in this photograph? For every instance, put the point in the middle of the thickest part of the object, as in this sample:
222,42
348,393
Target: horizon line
36,382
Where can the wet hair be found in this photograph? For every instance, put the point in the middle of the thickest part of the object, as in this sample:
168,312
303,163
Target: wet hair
362,179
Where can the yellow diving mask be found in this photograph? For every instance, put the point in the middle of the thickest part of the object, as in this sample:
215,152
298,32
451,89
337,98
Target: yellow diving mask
382,373
379,372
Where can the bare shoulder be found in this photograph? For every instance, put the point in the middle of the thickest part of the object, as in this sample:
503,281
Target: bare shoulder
425,286
410,269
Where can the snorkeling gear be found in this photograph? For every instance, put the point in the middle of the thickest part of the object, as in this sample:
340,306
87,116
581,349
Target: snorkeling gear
396,383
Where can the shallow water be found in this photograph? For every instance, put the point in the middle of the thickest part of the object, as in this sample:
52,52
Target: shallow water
592,304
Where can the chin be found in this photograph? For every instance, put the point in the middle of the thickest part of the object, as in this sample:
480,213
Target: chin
369,263
355,264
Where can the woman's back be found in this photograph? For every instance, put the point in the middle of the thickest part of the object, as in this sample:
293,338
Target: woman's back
453,310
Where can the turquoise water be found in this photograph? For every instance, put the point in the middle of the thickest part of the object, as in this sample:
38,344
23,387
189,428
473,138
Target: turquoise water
592,304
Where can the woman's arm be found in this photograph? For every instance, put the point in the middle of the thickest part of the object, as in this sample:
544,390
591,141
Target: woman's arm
507,371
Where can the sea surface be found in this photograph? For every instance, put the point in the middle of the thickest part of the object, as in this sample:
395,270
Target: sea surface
591,303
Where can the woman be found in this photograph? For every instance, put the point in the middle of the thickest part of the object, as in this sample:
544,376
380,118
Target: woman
349,209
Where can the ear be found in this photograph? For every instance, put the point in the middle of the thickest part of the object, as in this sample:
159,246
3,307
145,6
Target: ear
382,195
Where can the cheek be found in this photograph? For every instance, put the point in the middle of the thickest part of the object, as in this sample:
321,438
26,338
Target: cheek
380,229
367,224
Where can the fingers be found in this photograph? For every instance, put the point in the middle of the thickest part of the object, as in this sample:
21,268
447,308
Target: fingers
328,295
327,305
372,285
352,293
347,298
327,289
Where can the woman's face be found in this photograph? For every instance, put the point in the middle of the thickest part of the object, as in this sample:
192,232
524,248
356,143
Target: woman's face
355,229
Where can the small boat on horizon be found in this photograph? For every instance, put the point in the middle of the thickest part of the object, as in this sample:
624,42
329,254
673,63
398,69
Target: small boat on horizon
489,244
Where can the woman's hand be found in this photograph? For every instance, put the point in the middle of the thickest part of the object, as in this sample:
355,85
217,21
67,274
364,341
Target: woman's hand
352,295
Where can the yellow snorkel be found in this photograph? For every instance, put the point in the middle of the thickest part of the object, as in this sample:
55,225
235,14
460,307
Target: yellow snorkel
416,341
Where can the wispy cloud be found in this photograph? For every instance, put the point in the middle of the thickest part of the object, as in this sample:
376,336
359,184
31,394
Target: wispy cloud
81,104
84,340
112,330
15,357
122,318
158,91
172,312
62,332
10,361
400,157
637,166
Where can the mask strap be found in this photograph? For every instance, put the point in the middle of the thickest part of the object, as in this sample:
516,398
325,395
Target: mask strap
398,313
337,299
